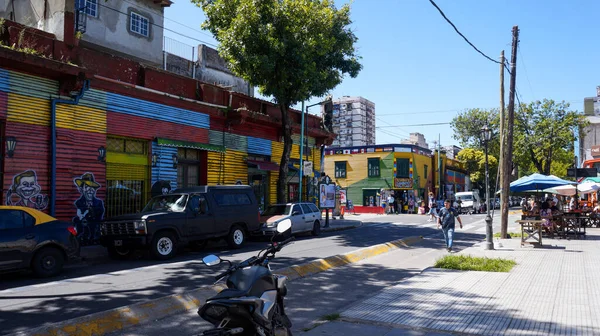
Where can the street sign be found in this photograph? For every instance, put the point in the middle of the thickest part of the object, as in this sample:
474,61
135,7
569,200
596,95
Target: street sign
582,172
308,168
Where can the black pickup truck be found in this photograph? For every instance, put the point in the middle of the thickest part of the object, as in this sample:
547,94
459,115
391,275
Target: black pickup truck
185,216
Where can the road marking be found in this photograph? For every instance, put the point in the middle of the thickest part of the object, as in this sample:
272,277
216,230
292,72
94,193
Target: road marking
481,230
428,225
468,227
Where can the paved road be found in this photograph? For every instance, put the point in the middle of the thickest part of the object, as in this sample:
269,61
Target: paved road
86,289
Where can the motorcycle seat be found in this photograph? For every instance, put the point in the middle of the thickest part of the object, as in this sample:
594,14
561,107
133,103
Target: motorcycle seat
229,293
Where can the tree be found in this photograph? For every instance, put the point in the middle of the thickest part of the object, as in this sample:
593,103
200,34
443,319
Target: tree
467,128
474,160
544,136
290,49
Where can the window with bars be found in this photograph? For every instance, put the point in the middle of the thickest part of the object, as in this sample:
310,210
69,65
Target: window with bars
120,145
373,166
89,7
340,169
124,197
402,168
139,24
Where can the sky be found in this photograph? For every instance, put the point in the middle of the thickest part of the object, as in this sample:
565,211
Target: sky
418,70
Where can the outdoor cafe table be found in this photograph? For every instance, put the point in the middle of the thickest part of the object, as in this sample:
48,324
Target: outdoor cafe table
531,229
574,223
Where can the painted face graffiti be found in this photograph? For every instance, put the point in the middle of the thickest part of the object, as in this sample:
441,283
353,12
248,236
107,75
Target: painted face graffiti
88,192
160,187
25,191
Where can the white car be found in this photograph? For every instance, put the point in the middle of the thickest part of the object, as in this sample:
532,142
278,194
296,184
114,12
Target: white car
305,217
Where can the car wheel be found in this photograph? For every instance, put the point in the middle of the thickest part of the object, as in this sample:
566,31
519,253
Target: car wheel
119,252
316,229
47,262
164,246
236,237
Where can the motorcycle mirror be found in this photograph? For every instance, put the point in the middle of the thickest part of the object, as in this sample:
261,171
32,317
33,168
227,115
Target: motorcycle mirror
284,225
211,260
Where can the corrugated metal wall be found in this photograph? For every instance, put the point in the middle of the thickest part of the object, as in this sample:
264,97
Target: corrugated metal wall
215,169
81,118
164,170
296,140
29,110
31,86
3,104
230,141
234,167
143,128
259,146
150,110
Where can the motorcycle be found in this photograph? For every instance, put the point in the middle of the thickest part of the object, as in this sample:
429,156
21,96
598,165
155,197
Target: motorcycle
252,303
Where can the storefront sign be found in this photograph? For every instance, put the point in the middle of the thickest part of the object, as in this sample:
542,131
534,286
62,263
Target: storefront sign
402,149
370,150
403,183
596,151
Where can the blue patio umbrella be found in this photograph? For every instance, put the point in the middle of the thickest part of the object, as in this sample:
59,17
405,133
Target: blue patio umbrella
537,182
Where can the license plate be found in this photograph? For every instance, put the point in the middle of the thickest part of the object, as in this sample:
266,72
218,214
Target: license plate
118,243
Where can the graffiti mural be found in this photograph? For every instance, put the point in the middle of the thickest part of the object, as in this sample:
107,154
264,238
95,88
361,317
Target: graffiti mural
160,187
25,191
90,209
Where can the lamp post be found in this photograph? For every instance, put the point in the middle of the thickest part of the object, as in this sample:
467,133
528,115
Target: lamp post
11,144
486,136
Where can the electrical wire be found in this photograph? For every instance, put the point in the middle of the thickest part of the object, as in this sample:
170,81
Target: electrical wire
525,69
459,33
415,125
159,26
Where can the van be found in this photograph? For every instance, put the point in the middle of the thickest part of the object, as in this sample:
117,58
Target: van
470,201
185,216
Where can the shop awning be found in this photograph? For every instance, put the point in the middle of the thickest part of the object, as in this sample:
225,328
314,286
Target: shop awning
189,144
263,165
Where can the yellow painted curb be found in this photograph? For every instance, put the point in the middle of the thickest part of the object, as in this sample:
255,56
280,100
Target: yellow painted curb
120,318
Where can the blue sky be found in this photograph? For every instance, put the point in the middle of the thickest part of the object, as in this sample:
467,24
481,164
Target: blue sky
417,70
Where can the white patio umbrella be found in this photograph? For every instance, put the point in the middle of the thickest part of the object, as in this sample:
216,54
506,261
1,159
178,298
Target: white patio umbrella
588,187
564,190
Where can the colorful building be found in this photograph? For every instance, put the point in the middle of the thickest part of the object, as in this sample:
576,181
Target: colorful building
368,173
95,140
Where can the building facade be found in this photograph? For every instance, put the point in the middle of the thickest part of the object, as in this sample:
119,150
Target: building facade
96,139
589,138
353,122
408,172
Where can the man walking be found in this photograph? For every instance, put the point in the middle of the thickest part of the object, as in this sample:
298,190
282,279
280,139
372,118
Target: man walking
446,218
391,204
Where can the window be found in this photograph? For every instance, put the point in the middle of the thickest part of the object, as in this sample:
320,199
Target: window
425,168
28,219
373,164
340,169
297,209
139,24
91,7
306,208
11,219
130,146
232,199
402,168
188,168
313,207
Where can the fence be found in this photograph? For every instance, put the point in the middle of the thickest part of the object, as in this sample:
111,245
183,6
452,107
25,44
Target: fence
180,49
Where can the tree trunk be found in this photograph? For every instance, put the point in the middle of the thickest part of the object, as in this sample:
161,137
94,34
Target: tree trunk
285,157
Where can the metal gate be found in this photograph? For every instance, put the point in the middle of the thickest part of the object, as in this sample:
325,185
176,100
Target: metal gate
127,188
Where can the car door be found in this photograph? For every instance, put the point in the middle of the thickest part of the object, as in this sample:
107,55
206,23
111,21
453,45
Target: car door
200,220
297,217
17,238
309,216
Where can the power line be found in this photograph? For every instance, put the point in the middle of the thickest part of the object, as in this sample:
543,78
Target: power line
159,26
401,130
415,125
525,68
463,36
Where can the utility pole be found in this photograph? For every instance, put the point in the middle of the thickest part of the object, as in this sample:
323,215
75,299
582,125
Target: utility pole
508,154
301,171
440,166
504,175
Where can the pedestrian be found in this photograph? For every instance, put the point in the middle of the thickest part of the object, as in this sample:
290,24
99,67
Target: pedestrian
432,212
391,204
446,218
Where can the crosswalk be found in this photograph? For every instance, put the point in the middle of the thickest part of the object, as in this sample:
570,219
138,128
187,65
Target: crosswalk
476,227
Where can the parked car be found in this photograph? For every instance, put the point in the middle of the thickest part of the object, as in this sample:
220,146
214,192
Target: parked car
305,217
185,216
470,201
31,239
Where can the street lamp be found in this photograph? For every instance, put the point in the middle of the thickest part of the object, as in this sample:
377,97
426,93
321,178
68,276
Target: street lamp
486,136
101,154
11,144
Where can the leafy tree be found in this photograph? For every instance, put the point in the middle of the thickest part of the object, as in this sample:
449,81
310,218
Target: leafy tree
474,160
544,136
290,49
467,128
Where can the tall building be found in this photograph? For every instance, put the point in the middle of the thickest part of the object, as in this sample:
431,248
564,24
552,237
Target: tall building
353,122
589,138
417,139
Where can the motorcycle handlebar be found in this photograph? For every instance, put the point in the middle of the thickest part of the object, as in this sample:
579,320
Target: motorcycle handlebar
218,277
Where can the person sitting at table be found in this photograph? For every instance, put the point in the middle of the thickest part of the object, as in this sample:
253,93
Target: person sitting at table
535,208
572,203
585,208
547,222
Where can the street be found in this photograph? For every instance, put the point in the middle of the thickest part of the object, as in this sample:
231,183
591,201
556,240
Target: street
86,289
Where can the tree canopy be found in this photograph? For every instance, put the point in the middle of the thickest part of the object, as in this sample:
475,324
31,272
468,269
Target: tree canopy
474,160
291,50
544,135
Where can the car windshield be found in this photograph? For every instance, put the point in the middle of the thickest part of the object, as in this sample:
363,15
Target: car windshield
465,197
175,203
277,210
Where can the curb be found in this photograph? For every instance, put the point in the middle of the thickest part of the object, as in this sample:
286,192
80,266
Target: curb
105,322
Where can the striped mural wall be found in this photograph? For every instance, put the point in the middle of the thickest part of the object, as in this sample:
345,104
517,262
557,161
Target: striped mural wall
259,146
164,172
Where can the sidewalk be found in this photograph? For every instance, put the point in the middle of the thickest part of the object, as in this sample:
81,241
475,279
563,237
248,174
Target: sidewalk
553,290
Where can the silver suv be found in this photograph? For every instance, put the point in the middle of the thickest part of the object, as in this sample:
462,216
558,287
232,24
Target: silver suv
305,217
